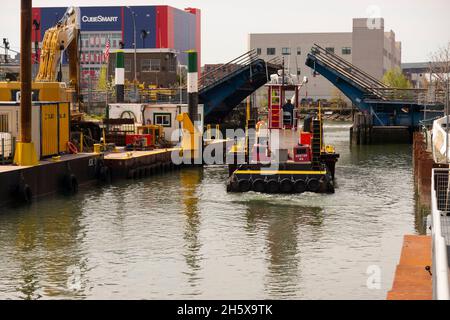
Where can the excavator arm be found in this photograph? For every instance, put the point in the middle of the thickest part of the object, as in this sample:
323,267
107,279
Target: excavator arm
58,39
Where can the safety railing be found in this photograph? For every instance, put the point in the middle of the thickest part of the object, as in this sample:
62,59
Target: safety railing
348,70
222,71
7,148
440,207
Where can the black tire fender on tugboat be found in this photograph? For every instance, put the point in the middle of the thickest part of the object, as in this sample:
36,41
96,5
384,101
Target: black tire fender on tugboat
286,186
313,185
259,185
272,186
244,185
300,186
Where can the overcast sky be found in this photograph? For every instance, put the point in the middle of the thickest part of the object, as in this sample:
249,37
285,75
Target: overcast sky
421,25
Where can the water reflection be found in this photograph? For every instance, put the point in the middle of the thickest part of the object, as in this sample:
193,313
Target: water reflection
46,251
190,181
285,223
181,235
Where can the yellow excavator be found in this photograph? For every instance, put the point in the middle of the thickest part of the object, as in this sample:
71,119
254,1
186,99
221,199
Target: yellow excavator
63,37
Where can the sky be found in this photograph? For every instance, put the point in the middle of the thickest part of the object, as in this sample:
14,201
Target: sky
423,26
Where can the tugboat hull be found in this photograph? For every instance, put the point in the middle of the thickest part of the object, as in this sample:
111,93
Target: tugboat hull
288,179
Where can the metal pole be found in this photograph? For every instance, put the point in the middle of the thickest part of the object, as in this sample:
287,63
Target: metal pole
25,71
135,50
447,115
133,15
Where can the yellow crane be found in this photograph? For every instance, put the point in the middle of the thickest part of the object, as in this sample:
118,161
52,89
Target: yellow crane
63,37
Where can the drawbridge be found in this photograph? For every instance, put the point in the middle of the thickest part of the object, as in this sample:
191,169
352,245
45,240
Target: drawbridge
388,106
226,86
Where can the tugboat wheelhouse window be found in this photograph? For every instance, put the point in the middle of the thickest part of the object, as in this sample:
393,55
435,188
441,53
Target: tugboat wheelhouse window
163,119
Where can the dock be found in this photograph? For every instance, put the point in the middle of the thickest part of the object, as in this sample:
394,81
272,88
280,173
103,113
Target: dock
139,164
65,174
412,279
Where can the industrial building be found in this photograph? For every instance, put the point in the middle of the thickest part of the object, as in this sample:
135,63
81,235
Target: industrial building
162,34
368,46
418,73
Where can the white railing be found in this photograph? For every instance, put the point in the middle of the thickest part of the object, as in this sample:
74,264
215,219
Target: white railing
440,205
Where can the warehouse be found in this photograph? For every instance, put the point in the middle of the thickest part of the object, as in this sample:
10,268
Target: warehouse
158,30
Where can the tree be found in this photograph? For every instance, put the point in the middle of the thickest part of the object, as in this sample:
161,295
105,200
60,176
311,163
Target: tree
440,67
396,79
103,79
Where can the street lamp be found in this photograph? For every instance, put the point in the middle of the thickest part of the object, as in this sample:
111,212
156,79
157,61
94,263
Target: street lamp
144,34
133,14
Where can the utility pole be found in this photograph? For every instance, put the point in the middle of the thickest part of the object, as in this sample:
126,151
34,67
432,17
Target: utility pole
25,152
6,45
133,14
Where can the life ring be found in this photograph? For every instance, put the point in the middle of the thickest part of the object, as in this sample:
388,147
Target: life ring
72,148
260,124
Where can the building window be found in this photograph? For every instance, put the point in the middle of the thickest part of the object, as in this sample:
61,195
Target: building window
299,51
258,51
150,65
286,51
330,49
346,50
163,119
271,51
4,124
173,65
299,71
127,65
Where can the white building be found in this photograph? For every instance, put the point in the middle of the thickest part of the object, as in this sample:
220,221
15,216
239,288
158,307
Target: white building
368,47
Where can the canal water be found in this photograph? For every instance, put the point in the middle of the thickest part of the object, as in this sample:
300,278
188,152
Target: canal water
181,236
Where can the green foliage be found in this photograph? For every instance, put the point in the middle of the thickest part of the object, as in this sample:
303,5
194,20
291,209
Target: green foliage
396,79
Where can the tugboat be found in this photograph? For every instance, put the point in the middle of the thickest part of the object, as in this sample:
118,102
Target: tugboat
307,165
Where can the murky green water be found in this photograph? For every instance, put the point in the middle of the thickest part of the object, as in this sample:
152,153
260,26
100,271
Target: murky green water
181,236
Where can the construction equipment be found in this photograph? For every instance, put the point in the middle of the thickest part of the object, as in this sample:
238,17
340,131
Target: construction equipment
48,85
64,36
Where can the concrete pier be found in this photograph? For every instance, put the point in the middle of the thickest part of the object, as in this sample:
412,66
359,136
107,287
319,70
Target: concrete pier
412,280
364,132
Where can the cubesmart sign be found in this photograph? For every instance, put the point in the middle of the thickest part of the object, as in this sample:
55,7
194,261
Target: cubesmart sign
101,18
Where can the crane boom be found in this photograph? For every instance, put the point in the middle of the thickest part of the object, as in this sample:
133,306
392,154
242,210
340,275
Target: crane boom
58,39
